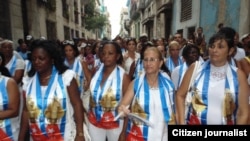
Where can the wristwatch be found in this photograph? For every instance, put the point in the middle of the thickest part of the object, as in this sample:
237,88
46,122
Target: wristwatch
80,134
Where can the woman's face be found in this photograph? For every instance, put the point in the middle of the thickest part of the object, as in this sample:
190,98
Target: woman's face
174,51
151,61
219,52
69,52
41,60
109,55
7,49
192,55
131,46
88,50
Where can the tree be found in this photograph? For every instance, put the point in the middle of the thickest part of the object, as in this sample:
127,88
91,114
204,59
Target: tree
93,20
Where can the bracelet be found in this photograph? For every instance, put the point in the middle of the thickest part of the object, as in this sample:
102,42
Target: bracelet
80,134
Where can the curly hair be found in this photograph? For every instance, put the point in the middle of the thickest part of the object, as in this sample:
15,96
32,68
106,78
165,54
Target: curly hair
53,51
117,50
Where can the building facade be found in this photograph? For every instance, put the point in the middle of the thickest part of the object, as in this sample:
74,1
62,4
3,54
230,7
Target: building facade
163,18
52,19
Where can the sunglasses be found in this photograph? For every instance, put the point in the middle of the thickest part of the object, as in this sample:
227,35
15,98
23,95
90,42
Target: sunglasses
68,42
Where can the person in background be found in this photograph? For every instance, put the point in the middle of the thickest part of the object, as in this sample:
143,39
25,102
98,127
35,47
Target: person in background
174,58
163,51
96,49
19,41
149,96
130,57
52,106
71,60
118,39
23,50
9,104
12,63
89,57
107,88
3,69
220,91
179,38
239,52
190,54
245,63
244,39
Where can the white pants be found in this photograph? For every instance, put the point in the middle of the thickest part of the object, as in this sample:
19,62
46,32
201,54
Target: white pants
100,134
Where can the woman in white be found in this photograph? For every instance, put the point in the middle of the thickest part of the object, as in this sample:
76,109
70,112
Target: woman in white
130,56
107,88
52,105
79,66
9,105
150,96
220,90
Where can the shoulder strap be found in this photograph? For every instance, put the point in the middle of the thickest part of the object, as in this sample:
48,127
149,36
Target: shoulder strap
247,58
197,63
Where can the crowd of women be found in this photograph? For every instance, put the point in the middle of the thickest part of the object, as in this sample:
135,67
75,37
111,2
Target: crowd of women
121,89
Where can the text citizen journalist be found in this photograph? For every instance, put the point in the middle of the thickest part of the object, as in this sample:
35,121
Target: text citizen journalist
207,133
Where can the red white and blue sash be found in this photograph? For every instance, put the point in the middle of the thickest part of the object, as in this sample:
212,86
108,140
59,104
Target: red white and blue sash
42,128
77,68
6,128
201,87
142,94
114,82
170,63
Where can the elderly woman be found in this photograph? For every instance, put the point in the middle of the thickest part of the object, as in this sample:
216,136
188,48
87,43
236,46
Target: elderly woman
151,98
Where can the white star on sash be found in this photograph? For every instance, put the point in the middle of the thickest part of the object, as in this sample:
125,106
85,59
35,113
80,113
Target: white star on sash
51,130
134,132
34,130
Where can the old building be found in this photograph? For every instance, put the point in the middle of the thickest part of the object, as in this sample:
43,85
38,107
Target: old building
52,19
163,18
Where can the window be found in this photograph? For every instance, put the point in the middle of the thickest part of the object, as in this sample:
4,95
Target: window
51,30
186,10
65,10
66,32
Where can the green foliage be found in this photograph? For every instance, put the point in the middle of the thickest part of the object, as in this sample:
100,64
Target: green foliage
89,9
92,19
95,22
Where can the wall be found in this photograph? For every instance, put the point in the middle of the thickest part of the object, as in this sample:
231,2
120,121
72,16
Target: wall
16,20
177,25
219,11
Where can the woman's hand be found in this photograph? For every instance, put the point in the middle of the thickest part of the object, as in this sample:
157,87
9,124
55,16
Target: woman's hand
123,110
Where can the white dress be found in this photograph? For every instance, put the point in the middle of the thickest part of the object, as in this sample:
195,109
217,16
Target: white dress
59,93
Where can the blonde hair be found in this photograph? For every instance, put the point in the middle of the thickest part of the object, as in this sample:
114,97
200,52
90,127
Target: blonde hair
173,43
156,50
6,41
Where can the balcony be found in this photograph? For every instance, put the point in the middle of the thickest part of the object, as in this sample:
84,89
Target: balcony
141,4
162,5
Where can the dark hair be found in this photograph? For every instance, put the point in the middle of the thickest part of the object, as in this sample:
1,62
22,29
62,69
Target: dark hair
4,71
226,33
53,51
131,39
20,41
117,49
74,47
164,68
187,51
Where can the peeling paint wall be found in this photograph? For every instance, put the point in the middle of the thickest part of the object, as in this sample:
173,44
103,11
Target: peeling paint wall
214,12
209,13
